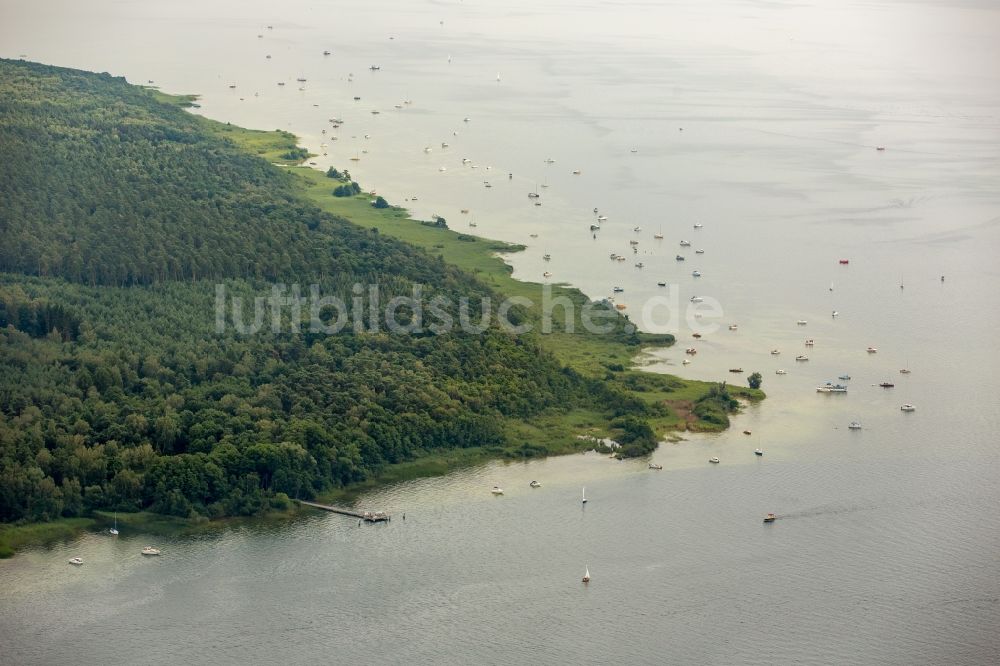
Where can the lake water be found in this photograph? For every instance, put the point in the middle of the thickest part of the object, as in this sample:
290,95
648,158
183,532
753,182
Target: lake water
758,120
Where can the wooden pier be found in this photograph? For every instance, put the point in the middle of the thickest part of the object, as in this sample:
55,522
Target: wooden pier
368,516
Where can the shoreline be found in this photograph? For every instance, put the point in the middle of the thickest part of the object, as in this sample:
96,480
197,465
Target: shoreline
610,361
482,257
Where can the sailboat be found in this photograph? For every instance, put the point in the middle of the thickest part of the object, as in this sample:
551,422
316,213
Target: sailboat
586,575
114,530
584,495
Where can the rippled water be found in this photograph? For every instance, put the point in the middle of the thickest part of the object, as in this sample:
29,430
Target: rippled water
886,547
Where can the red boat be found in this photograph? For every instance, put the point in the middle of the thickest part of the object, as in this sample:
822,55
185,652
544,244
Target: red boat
845,261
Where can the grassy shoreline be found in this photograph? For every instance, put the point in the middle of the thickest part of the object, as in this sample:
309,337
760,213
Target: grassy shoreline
15,537
601,357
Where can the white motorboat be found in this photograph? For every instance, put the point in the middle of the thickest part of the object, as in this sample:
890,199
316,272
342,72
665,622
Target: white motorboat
76,560
801,322
586,575
150,550
714,461
655,466
758,452
775,352
497,490
780,372
908,408
583,495
854,425
810,342
699,252
695,273
696,299
801,357
535,484
685,243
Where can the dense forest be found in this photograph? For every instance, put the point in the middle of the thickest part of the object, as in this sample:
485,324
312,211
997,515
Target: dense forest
119,215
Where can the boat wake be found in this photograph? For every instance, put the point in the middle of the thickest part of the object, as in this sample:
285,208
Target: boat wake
830,510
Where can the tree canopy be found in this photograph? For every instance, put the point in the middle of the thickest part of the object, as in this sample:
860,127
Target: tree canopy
119,214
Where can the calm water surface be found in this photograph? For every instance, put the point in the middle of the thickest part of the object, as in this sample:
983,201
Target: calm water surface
758,120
